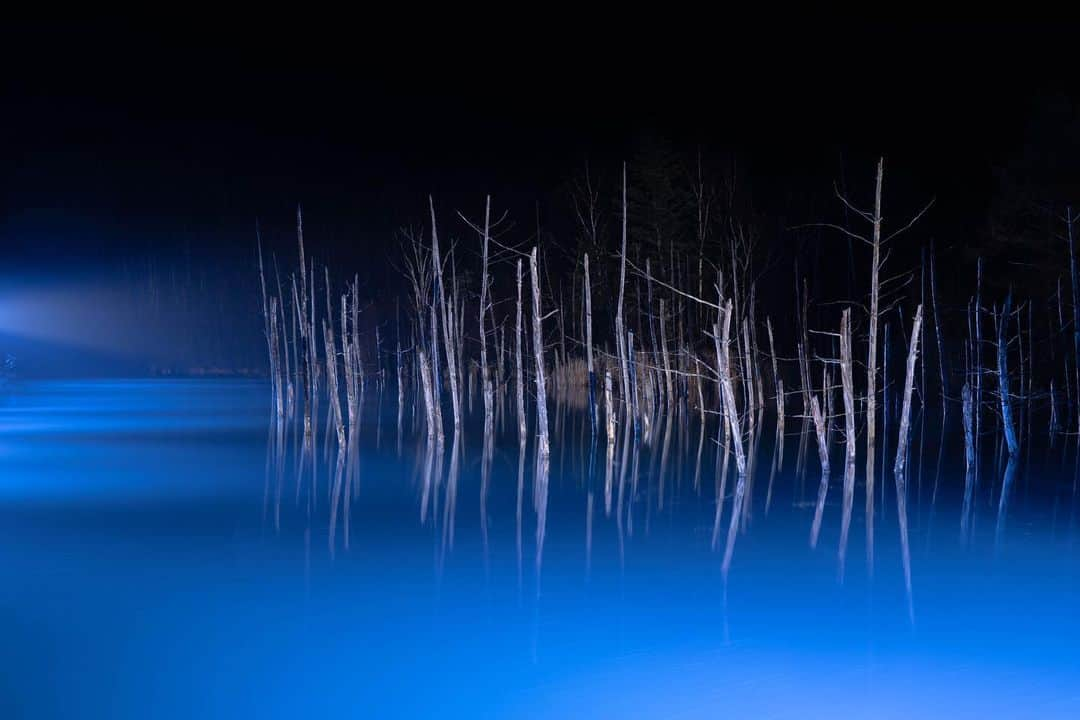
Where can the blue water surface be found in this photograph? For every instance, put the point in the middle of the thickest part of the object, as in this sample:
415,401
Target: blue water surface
169,552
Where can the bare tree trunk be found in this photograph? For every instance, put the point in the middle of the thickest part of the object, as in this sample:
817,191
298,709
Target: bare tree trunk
448,324
400,367
909,383
332,382
271,339
1053,413
519,380
485,379
1008,426
901,457
609,409
301,301
848,383
937,332
620,339
654,362
871,363
1075,296
633,389
313,357
721,333
978,355
669,388
759,394
778,382
284,351
969,442
543,447
277,380
748,380
823,455
429,399
348,352
589,346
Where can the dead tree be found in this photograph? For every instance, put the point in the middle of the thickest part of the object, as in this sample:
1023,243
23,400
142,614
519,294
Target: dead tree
905,412
484,371
279,402
589,346
447,307
429,400
969,441
823,455
871,362
543,447
519,380
1069,221
1007,424
901,457
620,339
778,387
721,333
876,242
937,332
848,384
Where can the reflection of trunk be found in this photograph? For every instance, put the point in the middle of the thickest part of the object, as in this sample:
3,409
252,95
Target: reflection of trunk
1003,501
733,525
664,462
485,474
338,496
520,496
450,499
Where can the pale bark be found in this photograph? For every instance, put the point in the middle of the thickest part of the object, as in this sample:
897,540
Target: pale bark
543,447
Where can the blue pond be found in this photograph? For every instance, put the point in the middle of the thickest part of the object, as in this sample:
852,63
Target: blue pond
167,551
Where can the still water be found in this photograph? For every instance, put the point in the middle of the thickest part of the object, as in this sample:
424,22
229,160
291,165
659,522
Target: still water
167,552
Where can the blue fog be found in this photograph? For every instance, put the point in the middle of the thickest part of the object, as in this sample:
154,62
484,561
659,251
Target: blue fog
169,553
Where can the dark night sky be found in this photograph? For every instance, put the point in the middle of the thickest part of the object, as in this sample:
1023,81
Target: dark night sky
143,130
172,139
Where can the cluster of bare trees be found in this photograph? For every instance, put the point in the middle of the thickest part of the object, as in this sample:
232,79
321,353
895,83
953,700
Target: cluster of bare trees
677,334
308,345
